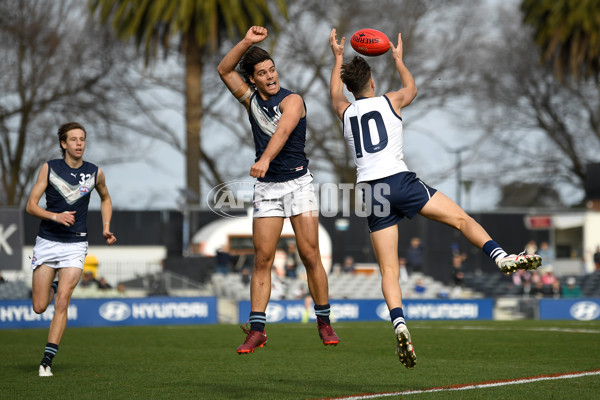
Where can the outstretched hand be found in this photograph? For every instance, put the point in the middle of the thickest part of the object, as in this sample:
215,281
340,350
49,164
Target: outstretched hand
397,51
257,34
338,49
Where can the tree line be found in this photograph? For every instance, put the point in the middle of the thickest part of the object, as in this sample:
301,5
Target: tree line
520,88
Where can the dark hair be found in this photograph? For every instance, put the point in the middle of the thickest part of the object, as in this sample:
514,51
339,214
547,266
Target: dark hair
253,56
64,129
356,74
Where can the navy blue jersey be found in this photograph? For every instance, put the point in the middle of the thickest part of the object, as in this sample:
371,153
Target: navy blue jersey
291,162
68,190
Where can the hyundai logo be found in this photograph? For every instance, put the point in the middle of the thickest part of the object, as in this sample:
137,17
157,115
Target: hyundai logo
383,312
585,310
275,312
115,311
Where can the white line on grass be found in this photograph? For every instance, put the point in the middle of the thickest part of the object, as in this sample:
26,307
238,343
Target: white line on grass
482,385
507,328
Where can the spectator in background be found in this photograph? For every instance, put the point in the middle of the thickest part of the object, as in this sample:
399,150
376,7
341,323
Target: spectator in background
571,290
414,255
458,273
103,285
520,277
336,269
121,289
531,247
223,260
246,276
88,280
419,289
278,284
537,290
597,258
308,306
292,259
526,289
349,265
548,277
555,289
535,277
403,269
546,253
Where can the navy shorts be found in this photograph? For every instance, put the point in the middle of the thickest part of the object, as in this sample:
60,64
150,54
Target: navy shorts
388,200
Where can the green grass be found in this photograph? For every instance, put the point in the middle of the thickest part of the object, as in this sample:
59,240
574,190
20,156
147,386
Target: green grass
200,362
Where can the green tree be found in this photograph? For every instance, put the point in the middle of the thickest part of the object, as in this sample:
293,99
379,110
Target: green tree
568,33
199,25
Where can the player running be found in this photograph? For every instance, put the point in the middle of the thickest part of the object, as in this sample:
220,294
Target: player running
61,245
373,130
284,188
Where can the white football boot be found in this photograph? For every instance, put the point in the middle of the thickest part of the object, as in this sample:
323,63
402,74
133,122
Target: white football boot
513,262
45,371
404,349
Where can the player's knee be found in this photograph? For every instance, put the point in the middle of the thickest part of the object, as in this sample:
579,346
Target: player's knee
310,259
39,307
263,260
61,304
462,220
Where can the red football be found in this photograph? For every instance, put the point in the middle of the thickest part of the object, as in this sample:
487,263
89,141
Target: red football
370,42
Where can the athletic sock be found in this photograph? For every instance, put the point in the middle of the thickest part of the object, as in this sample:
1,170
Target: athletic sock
49,353
257,320
494,250
322,312
397,317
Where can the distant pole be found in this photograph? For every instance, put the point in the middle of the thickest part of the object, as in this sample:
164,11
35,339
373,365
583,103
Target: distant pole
186,196
458,173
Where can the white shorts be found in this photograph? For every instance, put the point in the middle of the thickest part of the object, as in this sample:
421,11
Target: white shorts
58,254
285,199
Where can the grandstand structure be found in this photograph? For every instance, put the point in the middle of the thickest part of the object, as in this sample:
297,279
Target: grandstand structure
148,258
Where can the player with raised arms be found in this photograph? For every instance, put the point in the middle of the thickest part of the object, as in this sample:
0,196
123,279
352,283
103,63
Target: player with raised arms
373,129
284,188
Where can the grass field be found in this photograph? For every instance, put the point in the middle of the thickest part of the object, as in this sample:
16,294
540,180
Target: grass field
200,362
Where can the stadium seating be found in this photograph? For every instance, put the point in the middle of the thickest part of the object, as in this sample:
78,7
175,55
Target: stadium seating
14,291
341,286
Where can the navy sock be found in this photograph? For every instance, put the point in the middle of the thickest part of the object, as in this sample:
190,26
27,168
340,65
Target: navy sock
257,320
494,250
397,317
322,312
49,353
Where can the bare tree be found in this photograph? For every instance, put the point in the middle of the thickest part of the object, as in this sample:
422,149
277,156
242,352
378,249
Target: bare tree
436,52
537,128
58,65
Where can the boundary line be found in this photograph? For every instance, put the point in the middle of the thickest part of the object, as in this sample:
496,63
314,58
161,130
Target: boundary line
468,386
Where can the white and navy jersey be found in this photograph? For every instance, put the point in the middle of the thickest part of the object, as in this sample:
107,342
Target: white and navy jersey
373,131
68,190
291,162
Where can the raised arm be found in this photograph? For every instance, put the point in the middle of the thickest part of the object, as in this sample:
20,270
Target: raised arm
336,87
403,97
226,67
